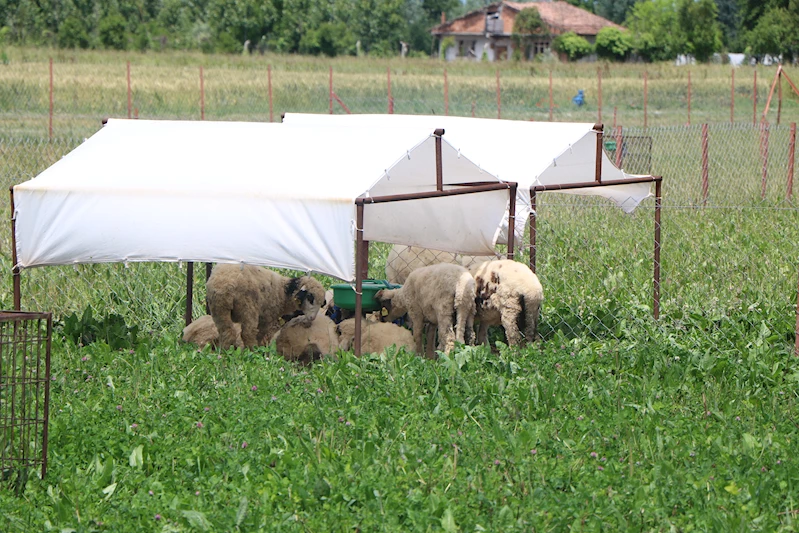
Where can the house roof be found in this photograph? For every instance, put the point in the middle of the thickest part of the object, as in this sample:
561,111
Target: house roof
560,16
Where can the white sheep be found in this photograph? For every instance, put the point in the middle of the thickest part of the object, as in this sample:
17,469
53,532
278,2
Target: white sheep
402,260
203,332
257,298
297,342
375,337
508,294
437,294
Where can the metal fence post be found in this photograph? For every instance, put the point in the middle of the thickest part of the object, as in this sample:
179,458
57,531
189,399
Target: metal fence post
705,165
791,158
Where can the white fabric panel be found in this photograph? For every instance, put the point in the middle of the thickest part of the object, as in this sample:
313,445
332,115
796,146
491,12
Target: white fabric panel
232,192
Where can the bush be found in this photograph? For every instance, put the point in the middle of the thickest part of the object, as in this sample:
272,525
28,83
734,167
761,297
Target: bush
72,34
572,45
446,43
225,43
111,32
613,43
111,329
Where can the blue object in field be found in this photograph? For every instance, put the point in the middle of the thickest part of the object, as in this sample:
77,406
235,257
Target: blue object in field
580,98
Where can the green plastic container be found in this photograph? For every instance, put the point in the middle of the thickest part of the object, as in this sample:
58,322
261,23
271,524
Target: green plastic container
344,294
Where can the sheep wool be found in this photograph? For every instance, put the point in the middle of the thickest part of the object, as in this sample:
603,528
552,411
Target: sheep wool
437,294
203,332
297,342
375,337
508,294
257,298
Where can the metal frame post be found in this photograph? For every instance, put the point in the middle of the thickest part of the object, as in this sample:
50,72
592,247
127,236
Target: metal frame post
189,292
358,276
656,273
512,220
14,266
599,129
533,228
439,170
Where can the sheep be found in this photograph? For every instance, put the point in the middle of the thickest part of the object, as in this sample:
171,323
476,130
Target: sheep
297,342
203,332
402,260
257,298
435,294
508,294
375,337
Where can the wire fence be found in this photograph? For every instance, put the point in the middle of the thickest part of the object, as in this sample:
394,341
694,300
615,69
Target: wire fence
63,97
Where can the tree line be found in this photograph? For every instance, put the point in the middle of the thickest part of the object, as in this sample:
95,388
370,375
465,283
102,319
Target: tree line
656,29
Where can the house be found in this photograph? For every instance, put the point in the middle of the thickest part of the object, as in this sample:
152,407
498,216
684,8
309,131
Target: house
488,31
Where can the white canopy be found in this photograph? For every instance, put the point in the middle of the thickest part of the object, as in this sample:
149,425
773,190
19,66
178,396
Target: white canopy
253,193
529,153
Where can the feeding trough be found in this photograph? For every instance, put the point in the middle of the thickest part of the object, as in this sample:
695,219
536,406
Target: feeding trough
344,294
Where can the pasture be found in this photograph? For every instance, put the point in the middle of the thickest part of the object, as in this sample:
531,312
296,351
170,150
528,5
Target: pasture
612,421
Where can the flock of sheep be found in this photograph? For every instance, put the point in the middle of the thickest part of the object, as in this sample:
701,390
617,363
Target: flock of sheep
441,293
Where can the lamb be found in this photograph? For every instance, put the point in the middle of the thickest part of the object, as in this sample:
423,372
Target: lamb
297,342
436,294
508,294
375,337
203,332
402,260
257,298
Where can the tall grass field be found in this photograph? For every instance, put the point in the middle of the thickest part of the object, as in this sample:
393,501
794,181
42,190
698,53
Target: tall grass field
612,421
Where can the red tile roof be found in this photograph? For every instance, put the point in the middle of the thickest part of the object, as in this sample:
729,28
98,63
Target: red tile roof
559,16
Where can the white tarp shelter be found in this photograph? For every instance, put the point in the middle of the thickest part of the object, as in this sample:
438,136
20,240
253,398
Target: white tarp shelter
254,193
528,153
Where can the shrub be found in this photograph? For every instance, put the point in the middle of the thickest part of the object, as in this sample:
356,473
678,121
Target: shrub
613,43
72,34
225,43
446,43
111,32
572,45
110,329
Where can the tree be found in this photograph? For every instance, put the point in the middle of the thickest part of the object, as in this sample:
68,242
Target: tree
775,35
111,31
527,24
653,30
72,34
614,10
698,20
613,43
572,45
730,20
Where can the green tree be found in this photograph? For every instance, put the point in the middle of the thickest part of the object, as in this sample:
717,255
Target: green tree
698,21
572,45
527,25
613,43
614,10
72,34
653,30
111,30
775,35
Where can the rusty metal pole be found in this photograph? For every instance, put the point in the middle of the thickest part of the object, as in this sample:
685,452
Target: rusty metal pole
269,82
390,99
189,292
656,275
499,100
14,266
550,95
51,98
439,170
208,269
796,330
330,89
358,277
511,220
202,95
619,145
791,158
446,94
779,96
533,228
46,413
732,97
599,92
130,104
598,128
705,165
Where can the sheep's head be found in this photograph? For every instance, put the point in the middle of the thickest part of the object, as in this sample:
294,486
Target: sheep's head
391,309
306,295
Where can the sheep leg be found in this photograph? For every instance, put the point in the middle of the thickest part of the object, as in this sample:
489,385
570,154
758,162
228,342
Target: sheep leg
249,330
430,334
446,335
482,333
418,328
224,326
509,315
532,311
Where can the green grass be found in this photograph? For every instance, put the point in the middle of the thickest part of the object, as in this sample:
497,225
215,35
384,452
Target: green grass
588,435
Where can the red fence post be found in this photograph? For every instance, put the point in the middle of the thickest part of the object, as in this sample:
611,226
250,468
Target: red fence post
202,95
446,94
130,108
550,95
619,140
689,97
51,98
390,99
764,132
754,101
779,98
732,98
269,83
330,91
646,95
499,101
599,93
705,165
791,157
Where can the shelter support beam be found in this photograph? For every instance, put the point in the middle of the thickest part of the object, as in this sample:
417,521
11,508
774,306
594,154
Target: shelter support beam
511,220
599,129
189,292
533,228
439,170
656,274
15,269
359,255
208,268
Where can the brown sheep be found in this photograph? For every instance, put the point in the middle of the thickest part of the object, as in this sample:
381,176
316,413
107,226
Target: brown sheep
375,337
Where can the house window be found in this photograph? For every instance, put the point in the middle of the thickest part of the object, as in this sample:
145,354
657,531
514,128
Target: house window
493,23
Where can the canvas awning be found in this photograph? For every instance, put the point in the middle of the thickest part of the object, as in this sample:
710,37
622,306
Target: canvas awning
528,153
254,193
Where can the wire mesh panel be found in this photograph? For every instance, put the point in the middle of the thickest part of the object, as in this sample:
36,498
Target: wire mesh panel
24,390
